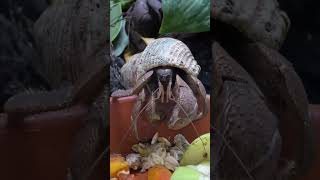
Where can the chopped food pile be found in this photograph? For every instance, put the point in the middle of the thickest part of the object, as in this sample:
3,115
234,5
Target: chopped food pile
165,160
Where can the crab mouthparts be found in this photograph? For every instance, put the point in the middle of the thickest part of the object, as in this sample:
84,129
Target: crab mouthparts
164,92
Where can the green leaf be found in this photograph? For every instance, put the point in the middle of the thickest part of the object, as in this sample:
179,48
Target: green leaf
121,42
115,20
185,16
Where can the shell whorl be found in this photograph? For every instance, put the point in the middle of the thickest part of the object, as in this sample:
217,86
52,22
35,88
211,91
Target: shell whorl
167,52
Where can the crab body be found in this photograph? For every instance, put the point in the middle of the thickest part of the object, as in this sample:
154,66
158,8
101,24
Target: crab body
165,75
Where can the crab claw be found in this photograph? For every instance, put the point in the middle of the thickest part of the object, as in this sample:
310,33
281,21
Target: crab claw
136,89
199,92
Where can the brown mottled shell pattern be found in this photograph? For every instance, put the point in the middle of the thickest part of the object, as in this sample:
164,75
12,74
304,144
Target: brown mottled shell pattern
161,52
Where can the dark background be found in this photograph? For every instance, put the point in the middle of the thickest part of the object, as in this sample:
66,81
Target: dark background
302,46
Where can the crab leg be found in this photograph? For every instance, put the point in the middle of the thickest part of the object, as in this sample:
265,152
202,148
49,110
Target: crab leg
168,91
153,105
134,118
161,92
175,122
136,89
199,92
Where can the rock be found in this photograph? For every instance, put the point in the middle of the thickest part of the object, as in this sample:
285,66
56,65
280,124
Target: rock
145,17
115,76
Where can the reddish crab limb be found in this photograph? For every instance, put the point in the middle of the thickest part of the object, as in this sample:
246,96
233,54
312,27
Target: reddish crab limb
152,108
136,89
161,92
136,112
134,117
168,91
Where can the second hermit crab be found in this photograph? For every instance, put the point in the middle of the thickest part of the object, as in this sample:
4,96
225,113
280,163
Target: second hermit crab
164,76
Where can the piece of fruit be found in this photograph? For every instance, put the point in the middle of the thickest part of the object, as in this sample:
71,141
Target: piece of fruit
197,151
203,168
193,172
125,175
188,173
117,163
159,172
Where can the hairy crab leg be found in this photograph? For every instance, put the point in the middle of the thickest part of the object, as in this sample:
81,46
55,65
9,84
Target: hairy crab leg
154,115
168,91
161,92
153,108
136,89
137,112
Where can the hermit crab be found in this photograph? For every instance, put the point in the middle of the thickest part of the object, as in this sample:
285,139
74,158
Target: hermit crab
261,107
164,76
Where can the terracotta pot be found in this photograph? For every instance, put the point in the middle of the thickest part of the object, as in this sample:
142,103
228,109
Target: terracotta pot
38,147
122,136
314,173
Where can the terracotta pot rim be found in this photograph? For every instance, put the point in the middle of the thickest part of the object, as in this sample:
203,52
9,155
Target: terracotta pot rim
131,98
